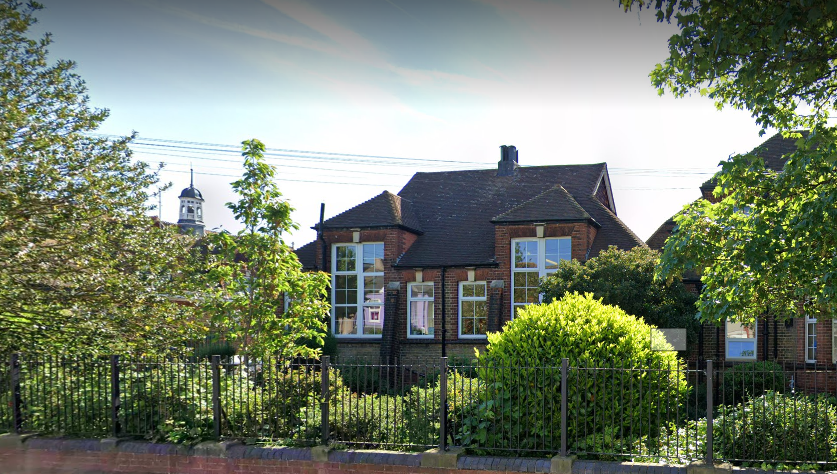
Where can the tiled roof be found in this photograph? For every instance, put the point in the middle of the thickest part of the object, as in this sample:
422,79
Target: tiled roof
456,208
455,211
383,210
658,238
554,204
307,255
773,151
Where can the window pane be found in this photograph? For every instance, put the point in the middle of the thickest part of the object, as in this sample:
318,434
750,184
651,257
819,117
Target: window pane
373,319
345,289
421,291
526,254
811,343
467,326
556,250
479,290
741,349
421,318
373,289
532,295
519,295
346,258
373,258
467,290
467,309
740,331
532,279
345,320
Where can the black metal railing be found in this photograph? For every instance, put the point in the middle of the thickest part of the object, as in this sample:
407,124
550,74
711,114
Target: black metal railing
759,412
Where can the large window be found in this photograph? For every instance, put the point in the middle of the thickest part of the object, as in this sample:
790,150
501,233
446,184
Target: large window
741,340
420,310
533,259
357,296
473,309
810,339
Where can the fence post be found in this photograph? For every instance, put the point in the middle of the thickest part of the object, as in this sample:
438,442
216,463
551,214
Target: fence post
443,404
14,372
325,393
215,362
709,375
564,394
115,396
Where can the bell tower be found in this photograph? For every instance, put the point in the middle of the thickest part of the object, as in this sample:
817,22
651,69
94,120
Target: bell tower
191,209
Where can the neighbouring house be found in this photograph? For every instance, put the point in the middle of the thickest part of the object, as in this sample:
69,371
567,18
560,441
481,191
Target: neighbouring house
455,253
809,340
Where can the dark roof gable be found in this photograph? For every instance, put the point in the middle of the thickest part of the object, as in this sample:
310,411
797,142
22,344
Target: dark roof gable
383,210
773,151
554,204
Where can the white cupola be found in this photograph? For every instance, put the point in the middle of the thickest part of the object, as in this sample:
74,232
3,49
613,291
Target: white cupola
191,208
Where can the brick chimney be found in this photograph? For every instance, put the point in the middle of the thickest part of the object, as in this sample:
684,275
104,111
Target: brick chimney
508,160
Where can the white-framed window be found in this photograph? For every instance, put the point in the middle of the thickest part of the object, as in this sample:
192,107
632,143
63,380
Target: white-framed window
420,322
741,340
473,309
357,289
533,259
810,339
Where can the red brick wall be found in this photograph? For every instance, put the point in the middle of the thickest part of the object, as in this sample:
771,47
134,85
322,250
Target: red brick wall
87,456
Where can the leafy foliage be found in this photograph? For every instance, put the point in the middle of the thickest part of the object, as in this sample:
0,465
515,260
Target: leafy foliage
252,272
763,56
744,381
773,426
769,244
82,268
626,279
589,334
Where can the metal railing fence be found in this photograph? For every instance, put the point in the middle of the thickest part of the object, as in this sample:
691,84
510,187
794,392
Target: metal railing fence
745,413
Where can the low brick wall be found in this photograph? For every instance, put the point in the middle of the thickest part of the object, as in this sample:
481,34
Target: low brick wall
21,455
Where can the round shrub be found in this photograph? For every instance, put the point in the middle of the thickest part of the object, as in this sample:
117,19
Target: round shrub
521,369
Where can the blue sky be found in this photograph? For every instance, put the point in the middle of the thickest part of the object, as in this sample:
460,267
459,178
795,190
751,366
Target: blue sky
444,83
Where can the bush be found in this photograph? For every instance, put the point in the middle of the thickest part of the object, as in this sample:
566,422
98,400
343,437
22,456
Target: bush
522,390
780,427
788,429
752,379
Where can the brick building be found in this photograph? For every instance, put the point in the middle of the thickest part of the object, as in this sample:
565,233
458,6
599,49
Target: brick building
809,341
453,253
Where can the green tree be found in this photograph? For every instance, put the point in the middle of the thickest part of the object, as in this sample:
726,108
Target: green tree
252,272
769,245
626,279
82,267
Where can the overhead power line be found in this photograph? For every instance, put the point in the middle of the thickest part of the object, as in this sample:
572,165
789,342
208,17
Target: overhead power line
343,163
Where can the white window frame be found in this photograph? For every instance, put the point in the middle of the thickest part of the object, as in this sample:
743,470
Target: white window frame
541,269
360,305
483,298
809,321
755,339
410,300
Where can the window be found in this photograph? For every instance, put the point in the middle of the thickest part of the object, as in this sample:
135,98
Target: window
420,310
810,339
357,289
533,259
473,309
741,340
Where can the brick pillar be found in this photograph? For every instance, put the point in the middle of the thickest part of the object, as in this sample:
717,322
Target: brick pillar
390,345
495,305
